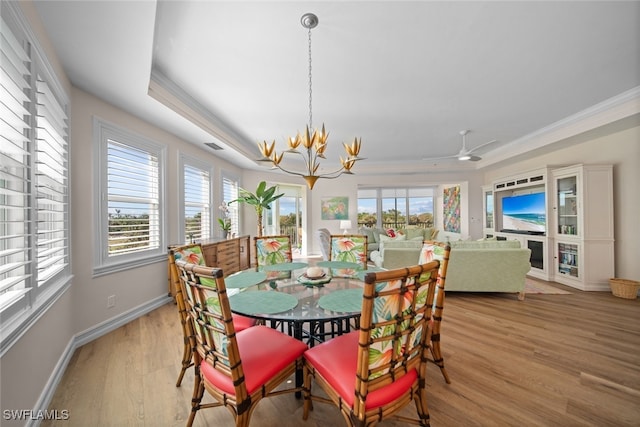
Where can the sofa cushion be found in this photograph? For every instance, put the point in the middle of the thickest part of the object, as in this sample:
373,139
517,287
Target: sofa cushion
372,233
485,244
382,238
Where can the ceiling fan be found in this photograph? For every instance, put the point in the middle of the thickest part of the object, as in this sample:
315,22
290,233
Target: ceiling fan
464,153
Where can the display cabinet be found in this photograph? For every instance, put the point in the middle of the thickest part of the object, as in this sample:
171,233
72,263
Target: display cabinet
583,233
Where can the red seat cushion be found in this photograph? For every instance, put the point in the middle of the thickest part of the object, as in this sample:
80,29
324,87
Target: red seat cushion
264,353
337,360
242,322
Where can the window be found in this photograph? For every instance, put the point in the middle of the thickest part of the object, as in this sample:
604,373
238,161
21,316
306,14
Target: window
196,200
395,207
34,181
129,187
230,192
367,207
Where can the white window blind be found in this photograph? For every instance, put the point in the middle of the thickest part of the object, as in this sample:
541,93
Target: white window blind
197,203
51,182
133,199
229,193
15,171
34,180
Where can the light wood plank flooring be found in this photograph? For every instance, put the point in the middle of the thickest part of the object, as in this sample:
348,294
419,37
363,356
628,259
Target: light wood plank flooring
550,360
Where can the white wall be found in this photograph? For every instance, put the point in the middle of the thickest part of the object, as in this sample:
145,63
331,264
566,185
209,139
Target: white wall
133,287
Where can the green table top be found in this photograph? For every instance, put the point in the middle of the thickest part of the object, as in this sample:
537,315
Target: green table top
342,301
262,302
244,279
285,266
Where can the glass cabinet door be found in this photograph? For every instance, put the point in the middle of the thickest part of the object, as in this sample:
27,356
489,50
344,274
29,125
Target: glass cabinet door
568,259
567,202
488,209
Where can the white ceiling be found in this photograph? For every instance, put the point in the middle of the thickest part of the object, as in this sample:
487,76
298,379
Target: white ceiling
406,77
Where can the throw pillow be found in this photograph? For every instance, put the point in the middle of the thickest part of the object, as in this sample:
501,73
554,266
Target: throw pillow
391,232
383,238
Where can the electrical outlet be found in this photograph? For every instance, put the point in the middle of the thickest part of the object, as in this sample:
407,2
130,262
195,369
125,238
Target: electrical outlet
111,301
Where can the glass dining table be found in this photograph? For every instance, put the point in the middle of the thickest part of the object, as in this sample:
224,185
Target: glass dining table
309,309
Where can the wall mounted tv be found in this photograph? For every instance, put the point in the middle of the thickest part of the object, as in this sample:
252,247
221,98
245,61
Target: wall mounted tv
524,213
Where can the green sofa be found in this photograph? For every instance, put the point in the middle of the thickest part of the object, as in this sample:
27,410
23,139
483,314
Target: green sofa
474,266
376,235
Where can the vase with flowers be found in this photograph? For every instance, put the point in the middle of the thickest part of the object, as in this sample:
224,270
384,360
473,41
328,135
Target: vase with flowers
224,220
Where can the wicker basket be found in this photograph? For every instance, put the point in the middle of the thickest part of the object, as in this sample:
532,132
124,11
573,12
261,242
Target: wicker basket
624,288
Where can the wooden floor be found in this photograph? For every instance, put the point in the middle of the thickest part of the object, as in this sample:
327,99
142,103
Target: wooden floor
550,360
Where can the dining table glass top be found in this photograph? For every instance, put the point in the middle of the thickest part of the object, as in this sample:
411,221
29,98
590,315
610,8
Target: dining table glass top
297,297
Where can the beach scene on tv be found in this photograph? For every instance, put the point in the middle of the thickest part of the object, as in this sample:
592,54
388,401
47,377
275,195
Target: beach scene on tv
524,212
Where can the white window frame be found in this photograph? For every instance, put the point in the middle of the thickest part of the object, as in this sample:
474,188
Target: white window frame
406,193
104,263
234,208
184,161
47,271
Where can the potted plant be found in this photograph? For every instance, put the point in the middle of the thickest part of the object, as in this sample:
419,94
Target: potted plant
260,200
225,221
225,224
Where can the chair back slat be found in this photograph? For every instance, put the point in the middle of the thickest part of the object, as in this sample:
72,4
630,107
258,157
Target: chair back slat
440,251
270,250
209,312
348,248
394,327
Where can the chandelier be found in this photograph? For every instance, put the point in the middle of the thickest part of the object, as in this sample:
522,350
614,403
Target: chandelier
311,145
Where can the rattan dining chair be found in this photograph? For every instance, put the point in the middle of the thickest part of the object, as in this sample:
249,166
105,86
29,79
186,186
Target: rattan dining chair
271,250
191,253
386,358
348,248
437,250
237,369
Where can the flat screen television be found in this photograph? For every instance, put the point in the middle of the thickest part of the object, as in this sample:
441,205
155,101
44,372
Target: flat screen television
524,213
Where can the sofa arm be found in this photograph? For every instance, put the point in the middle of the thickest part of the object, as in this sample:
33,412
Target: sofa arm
400,257
487,270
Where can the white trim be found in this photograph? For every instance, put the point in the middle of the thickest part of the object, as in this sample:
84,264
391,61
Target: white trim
102,263
15,327
183,160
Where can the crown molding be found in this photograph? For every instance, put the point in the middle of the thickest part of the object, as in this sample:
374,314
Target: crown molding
611,110
165,91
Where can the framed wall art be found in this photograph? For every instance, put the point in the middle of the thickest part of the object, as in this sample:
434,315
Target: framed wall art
451,209
335,208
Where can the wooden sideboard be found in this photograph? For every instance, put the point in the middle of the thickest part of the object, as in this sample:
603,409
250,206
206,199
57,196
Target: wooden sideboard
231,255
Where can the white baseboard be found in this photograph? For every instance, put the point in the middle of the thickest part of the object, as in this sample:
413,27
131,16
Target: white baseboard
85,337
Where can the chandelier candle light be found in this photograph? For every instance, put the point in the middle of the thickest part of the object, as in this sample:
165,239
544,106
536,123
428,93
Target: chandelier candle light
314,142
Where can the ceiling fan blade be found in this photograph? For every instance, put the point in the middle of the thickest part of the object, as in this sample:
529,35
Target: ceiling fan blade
475,158
481,145
441,158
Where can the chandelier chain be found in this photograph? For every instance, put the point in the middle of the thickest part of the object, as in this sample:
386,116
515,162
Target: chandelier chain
310,89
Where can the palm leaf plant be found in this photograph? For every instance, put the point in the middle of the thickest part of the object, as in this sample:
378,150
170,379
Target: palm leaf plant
260,200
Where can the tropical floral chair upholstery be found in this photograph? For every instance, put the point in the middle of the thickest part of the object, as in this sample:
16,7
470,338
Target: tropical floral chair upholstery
348,248
237,368
192,254
432,250
271,250
386,358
